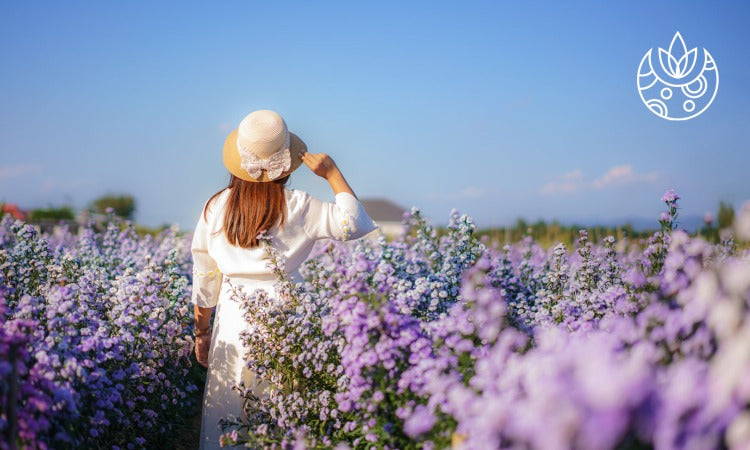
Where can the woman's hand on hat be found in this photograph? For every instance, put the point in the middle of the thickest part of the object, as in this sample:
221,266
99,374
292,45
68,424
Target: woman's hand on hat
321,164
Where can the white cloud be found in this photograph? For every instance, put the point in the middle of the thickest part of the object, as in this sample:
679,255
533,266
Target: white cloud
522,102
469,192
55,185
559,187
10,171
621,176
573,181
575,174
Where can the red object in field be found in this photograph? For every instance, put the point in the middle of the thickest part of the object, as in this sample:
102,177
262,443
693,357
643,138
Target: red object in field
12,209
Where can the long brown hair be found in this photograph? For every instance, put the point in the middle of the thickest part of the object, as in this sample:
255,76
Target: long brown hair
252,208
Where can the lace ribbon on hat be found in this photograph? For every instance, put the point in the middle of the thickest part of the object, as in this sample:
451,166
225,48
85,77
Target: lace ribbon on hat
278,163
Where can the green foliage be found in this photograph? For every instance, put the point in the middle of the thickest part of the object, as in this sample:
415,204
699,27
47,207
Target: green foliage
548,234
726,215
143,230
122,205
51,213
711,232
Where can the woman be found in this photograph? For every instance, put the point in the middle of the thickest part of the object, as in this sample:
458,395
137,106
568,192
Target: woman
260,155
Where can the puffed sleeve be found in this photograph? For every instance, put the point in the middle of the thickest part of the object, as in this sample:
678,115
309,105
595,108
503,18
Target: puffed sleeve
343,220
206,276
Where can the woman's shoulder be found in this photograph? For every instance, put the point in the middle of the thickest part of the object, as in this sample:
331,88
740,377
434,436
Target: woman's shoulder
296,195
296,199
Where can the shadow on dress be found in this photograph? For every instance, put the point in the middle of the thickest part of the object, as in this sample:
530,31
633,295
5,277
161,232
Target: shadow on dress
226,368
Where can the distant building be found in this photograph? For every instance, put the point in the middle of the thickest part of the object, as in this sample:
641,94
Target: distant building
12,209
85,216
52,225
386,214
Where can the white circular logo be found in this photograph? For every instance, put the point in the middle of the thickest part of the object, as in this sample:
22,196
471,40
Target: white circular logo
681,85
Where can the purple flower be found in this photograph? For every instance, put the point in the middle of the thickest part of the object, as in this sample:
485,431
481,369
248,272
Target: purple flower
670,196
421,421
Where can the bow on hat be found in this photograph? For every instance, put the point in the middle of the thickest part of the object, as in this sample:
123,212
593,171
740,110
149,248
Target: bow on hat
278,163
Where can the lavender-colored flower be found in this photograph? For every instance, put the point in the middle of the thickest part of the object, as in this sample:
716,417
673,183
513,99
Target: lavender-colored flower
91,318
670,196
421,421
395,344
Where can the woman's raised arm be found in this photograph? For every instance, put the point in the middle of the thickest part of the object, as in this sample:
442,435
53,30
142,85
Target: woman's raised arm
346,218
323,166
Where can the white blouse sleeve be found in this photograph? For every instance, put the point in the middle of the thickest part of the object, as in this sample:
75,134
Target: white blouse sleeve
343,220
206,276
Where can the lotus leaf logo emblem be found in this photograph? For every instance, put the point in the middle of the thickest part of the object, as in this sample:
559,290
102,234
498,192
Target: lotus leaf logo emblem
679,84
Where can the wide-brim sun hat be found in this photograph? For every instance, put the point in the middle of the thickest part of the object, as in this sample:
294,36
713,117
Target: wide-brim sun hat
262,148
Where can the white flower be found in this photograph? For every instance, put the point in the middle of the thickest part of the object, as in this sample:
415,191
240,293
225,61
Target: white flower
742,223
736,277
729,365
725,318
738,434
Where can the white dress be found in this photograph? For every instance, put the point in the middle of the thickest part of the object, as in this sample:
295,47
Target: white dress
214,260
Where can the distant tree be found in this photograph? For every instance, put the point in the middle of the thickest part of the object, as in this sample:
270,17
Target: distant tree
122,205
51,213
726,215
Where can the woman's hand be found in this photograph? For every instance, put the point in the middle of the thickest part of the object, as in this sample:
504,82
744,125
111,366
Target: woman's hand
323,166
202,343
202,325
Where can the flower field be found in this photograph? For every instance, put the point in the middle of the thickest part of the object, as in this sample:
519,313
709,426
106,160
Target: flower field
95,341
434,340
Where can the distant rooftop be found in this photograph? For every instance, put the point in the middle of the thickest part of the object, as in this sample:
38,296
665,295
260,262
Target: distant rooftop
13,210
383,210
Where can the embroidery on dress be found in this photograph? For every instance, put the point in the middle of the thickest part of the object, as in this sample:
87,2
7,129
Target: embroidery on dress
345,228
201,274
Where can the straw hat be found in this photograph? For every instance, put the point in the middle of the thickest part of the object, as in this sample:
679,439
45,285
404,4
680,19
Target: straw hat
262,148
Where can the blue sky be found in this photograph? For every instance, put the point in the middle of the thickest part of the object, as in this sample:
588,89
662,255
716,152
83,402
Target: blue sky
499,110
